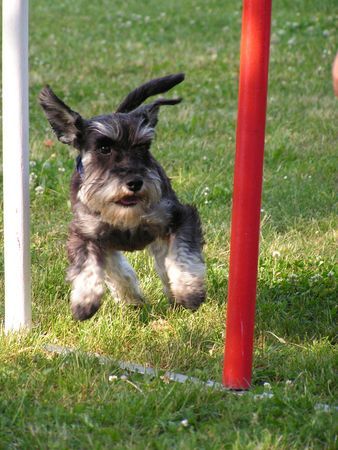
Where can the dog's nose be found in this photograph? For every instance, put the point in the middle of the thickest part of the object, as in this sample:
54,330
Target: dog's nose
135,184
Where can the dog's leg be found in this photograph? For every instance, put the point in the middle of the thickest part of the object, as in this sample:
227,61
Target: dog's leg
179,261
159,249
122,280
86,273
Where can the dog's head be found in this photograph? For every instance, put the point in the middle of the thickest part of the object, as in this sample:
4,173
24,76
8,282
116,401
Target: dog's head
119,177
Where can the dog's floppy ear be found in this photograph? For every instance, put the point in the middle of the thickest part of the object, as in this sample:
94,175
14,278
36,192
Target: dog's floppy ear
152,87
66,123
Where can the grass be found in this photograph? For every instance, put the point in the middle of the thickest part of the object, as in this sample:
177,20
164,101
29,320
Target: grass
92,53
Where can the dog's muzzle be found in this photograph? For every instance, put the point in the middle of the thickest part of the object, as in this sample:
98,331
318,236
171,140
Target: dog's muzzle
129,200
135,184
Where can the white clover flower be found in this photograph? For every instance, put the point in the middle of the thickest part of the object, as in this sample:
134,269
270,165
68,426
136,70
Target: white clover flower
32,178
32,163
39,190
315,278
292,277
288,383
61,169
285,177
184,423
267,386
275,254
263,396
322,407
112,378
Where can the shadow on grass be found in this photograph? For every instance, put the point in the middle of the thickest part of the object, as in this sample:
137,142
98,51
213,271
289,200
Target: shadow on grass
298,300
295,299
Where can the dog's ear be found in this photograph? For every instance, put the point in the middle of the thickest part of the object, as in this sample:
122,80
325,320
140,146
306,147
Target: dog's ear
152,87
149,113
66,123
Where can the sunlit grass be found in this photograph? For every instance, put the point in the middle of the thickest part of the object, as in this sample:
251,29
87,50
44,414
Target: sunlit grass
92,54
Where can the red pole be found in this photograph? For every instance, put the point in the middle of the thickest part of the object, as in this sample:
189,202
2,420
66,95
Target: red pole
253,82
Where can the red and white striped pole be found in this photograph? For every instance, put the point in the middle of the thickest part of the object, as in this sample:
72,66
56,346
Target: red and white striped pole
253,85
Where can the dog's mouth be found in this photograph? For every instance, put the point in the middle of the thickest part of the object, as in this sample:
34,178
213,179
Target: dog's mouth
129,200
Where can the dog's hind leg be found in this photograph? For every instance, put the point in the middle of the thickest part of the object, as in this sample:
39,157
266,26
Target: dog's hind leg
86,273
159,249
122,280
179,261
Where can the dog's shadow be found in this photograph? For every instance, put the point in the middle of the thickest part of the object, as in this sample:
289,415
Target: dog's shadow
144,314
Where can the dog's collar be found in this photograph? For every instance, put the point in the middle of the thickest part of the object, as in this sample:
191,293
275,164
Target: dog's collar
79,166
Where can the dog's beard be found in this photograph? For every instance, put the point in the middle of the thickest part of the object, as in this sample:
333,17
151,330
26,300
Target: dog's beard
116,204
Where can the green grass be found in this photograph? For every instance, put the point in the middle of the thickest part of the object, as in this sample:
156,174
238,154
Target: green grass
92,54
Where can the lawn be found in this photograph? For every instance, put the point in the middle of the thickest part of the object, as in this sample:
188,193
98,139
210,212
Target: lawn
92,54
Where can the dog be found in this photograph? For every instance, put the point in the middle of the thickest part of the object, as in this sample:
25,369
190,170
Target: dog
122,201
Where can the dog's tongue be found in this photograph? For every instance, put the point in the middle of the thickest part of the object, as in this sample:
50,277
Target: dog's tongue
129,201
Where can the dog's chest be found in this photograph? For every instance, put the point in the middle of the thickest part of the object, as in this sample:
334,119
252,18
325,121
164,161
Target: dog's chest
127,240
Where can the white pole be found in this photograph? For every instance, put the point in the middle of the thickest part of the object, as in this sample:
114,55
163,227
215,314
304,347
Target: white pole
16,164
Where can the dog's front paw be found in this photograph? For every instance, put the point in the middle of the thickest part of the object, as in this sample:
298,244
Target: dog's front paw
188,290
84,310
187,283
190,300
85,304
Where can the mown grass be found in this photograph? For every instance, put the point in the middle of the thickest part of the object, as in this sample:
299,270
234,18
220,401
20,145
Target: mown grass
92,53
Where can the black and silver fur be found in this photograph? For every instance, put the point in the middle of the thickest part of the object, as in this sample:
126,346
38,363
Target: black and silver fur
122,200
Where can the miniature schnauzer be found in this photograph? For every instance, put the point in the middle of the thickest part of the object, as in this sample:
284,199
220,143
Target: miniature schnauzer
122,200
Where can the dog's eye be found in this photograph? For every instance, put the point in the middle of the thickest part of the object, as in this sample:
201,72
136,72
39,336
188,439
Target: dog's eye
105,149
